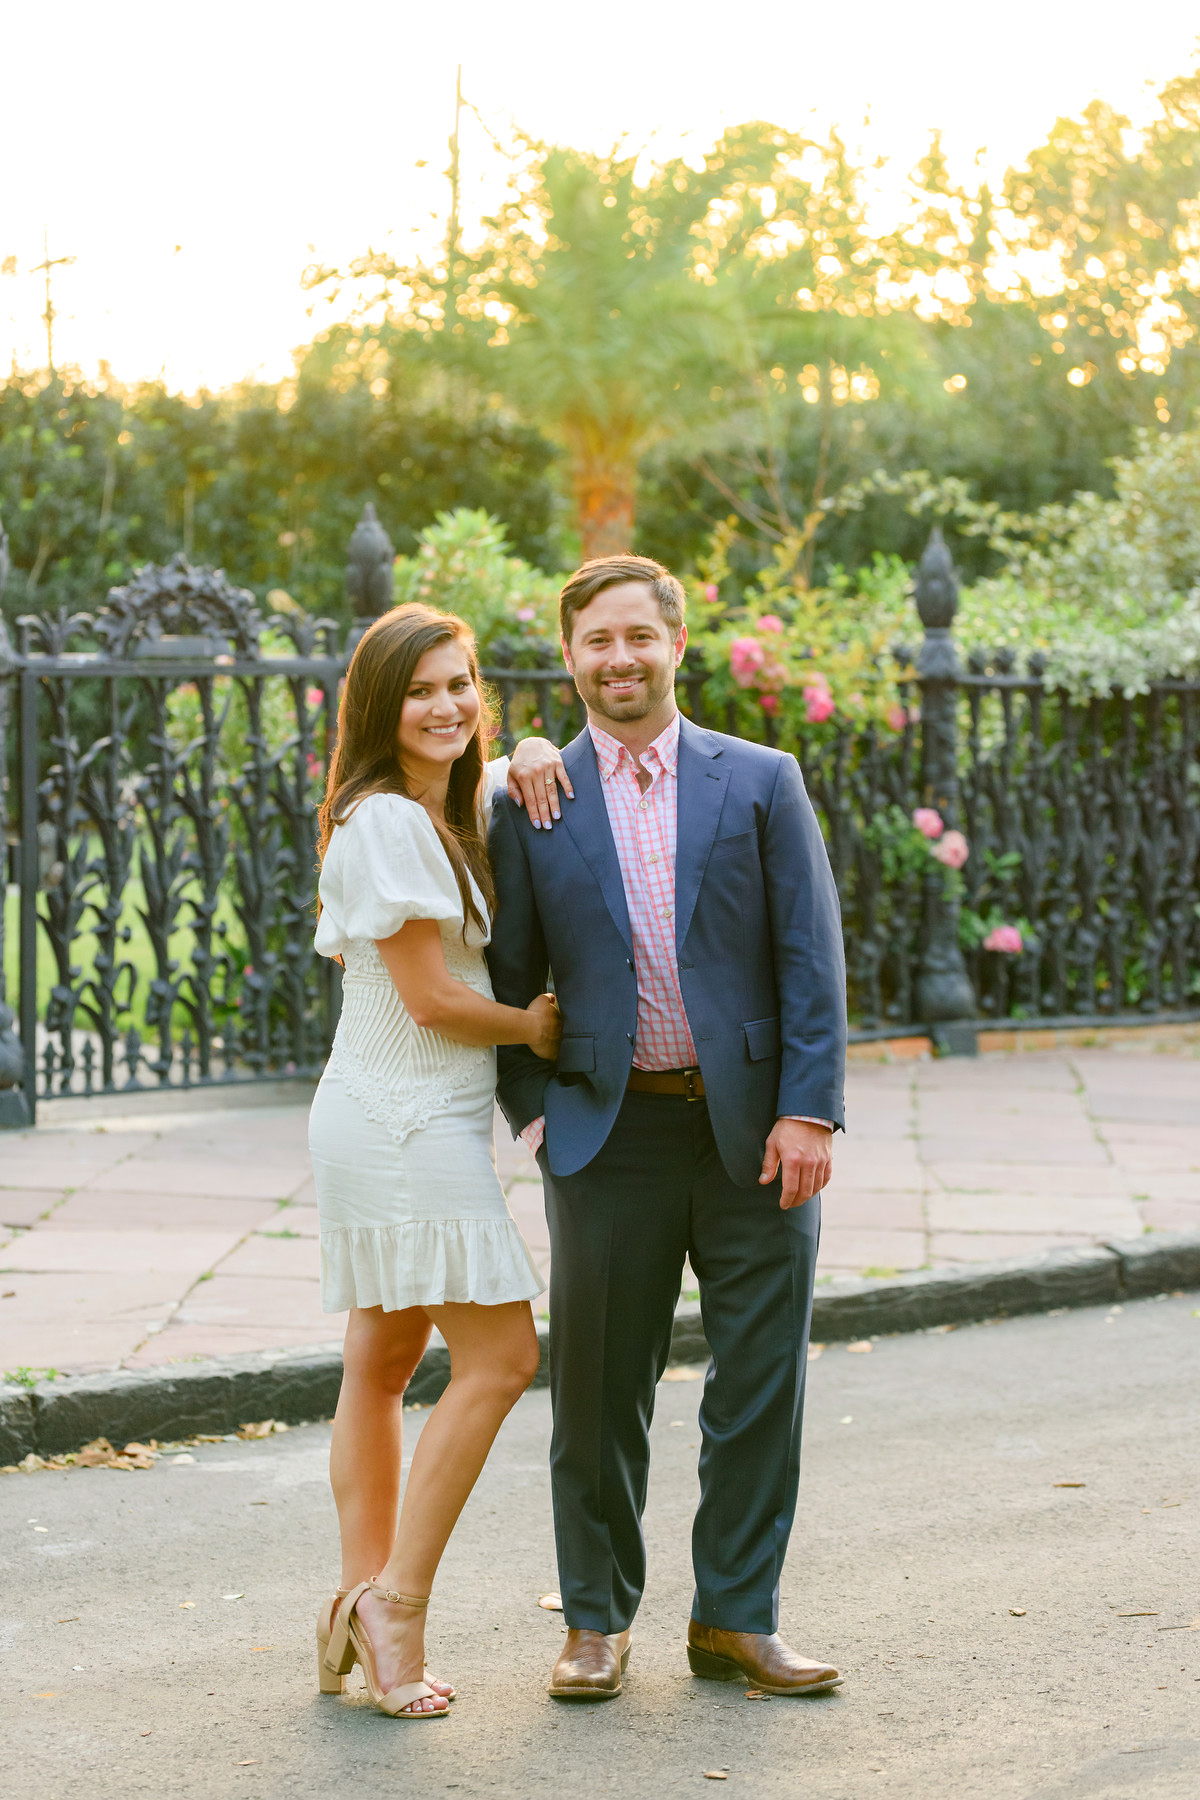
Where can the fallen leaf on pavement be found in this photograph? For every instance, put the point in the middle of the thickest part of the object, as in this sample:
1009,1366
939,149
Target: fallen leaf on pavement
261,1428
1017,1612
551,1602
145,1734
185,1456
861,1348
814,1350
1137,1615
99,1454
245,1762
186,1605
715,1775
1068,1484
233,1596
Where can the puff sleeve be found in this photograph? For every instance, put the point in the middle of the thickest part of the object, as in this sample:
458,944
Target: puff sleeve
495,776
385,866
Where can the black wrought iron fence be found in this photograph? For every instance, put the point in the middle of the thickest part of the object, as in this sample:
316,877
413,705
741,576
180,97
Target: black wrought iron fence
161,760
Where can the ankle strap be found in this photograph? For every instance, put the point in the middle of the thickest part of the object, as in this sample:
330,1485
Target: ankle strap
415,1600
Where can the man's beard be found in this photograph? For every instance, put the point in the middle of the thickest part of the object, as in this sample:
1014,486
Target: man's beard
650,692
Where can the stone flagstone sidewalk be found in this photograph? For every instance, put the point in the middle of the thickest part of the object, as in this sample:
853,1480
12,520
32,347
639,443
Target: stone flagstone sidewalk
181,1227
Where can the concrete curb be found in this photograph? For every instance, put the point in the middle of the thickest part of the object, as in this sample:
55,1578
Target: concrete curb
221,1394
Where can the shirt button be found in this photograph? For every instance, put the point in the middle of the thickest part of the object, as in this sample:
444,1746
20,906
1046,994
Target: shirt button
668,912
653,858
642,805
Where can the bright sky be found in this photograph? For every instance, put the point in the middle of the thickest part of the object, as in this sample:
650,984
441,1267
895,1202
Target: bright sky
194,159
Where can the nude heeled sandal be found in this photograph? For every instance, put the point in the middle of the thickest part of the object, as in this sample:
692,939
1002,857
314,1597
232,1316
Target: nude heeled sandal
328,1680
349,1644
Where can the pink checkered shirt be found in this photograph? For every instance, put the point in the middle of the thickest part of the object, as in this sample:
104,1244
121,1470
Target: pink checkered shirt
644,832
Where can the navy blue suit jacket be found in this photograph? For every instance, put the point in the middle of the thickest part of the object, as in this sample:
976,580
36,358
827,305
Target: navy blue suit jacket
757,934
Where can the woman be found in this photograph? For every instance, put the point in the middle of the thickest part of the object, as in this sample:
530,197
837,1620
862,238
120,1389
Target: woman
415,1231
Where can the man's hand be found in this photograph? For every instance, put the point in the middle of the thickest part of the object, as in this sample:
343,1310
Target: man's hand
535,775
805,1154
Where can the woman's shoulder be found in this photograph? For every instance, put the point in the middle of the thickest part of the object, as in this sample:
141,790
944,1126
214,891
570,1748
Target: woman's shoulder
390,814
390,828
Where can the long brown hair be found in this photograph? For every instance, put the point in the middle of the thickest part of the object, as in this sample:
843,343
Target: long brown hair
367,759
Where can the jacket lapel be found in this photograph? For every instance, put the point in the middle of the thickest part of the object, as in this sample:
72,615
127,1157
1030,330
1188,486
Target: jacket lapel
703,777
586,818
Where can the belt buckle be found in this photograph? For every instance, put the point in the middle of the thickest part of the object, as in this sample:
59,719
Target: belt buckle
689,1084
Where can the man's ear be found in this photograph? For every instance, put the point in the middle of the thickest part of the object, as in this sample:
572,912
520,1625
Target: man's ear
566,654
680,645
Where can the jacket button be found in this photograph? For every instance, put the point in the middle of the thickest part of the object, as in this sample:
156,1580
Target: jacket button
629,1035
629,961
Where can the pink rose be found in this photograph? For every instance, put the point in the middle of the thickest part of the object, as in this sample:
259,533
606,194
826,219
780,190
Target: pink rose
928,822
953,849
525,613
746,658
770,703
536,721
712,592
313,696
770,622
315,769
896,717
818,704
1005,938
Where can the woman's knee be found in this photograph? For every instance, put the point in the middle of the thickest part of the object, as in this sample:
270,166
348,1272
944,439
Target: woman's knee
508,1372
383,1353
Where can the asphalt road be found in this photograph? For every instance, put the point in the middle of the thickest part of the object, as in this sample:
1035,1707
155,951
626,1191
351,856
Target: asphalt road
928,1514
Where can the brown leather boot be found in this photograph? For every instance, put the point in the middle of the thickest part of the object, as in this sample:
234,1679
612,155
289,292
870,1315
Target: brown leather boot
765,1662
591,1666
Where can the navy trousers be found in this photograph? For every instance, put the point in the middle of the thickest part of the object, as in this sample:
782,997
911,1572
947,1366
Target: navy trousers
619,1232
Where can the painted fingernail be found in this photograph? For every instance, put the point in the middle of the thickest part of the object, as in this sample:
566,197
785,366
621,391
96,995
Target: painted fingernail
558,815
537,824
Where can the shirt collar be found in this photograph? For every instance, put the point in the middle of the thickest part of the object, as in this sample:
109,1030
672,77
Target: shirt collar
663,752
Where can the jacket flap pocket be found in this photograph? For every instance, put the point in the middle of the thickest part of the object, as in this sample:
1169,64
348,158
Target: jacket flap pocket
762,1038
577,1055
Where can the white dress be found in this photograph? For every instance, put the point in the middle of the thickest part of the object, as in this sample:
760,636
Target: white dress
401,1131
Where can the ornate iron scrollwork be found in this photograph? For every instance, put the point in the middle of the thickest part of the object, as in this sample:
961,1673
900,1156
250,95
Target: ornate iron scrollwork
177,600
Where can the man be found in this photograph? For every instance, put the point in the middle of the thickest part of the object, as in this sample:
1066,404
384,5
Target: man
689,918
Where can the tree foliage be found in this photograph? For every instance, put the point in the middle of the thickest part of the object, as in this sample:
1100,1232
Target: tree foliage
637,352
265,481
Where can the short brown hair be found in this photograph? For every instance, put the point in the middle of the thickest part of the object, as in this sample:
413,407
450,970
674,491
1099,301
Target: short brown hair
610,571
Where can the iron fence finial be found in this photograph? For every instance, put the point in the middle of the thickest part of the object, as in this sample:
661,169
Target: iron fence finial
369,570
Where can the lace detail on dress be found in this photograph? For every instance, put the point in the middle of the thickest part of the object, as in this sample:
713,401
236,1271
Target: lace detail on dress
400,1073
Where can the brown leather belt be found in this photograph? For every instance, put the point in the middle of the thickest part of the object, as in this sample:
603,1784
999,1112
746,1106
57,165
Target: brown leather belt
687,1082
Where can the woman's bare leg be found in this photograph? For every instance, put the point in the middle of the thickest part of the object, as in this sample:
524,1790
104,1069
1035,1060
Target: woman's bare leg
493,1358
381,1351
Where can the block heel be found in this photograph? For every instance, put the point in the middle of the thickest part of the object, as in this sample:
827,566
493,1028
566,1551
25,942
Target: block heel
712,1668
329,1681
